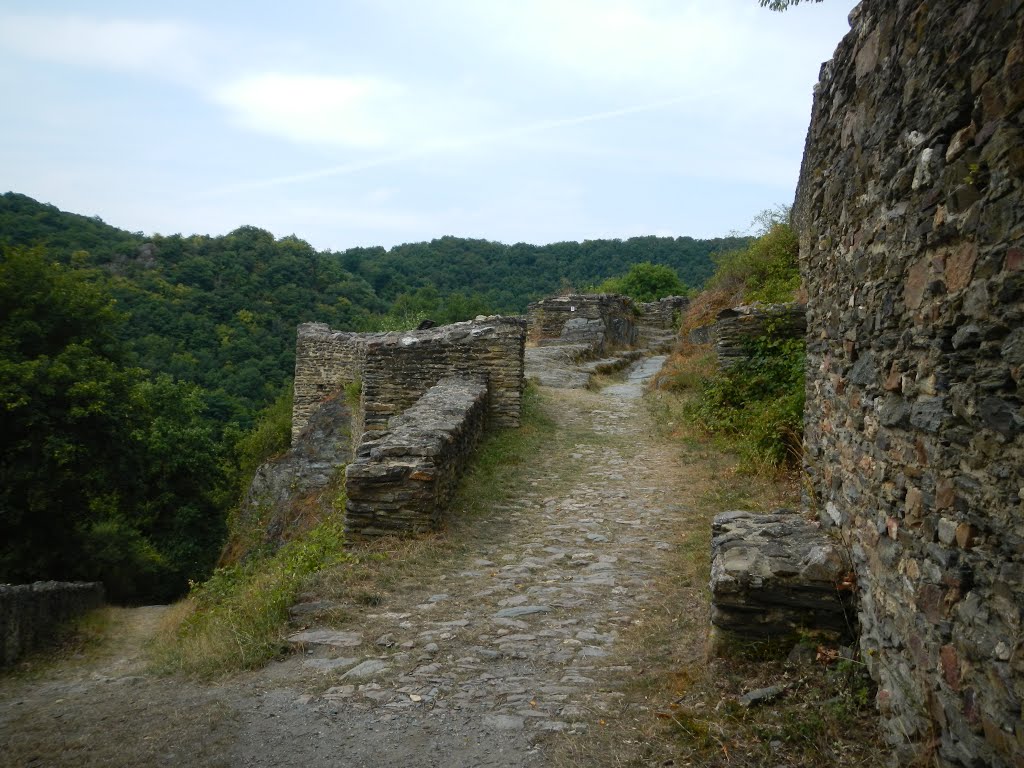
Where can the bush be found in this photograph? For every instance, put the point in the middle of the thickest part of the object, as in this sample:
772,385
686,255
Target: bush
758,401
766,271
646,282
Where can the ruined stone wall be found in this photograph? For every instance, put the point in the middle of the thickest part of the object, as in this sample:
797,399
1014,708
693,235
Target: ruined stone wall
324,361
737,327
663,314
601,320
30,613
398,368
402,480
911,224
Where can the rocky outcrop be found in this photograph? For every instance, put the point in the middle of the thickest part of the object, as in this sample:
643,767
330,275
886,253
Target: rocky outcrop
293,491
401,481
31,613
910,214
774,575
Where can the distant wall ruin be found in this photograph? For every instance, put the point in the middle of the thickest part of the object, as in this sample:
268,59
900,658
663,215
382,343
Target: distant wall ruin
600,320
910,213
412,428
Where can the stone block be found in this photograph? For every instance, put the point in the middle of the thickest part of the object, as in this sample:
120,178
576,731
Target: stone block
773,575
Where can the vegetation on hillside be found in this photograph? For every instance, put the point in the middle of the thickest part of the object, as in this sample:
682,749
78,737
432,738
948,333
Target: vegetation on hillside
757,403
108,472
134,370
646,282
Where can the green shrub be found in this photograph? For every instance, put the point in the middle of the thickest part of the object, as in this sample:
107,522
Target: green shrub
759,401
766,271
645,282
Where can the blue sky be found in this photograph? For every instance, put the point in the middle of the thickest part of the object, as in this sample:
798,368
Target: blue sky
375,123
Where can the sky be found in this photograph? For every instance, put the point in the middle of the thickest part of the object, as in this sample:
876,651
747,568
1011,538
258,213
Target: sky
379,122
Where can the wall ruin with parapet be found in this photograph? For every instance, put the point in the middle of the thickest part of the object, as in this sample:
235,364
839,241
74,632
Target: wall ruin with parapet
600,320
402,480
395,369
910,213
663,314
413,436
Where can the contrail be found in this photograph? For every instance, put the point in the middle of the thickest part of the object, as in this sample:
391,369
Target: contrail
446,146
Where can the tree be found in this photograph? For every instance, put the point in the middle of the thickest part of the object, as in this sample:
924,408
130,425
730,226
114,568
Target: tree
781,5
106,472
646,282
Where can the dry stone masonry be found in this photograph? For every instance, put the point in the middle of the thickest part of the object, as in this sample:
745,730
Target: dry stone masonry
403,479
911,225
736,328
423,399
30,613
600,321
774,575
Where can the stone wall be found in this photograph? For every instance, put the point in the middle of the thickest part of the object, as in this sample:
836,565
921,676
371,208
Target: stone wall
31,613
324,361
663,314
398,368
601,320
402,480
736,328
911,224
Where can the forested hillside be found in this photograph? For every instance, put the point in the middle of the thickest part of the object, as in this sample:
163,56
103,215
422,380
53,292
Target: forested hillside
132,367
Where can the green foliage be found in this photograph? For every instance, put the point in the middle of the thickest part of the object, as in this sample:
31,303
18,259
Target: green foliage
270,436
108,472
646,282
766,271
236,620
781,5
758,401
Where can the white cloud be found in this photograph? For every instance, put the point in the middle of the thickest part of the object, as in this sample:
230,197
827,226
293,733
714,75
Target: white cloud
160,47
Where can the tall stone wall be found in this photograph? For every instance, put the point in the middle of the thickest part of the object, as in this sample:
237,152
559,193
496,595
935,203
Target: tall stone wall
910,213
601,320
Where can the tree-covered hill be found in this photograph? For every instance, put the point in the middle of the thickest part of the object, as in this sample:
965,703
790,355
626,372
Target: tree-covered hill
222,311
132,368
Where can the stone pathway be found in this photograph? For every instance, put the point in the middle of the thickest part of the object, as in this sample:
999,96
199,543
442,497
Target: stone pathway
481,665
522,642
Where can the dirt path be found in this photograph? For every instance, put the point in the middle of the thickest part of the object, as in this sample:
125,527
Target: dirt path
484,662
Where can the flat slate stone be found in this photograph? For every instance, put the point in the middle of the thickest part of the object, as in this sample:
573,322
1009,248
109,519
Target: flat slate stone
328,637
521,610
366,669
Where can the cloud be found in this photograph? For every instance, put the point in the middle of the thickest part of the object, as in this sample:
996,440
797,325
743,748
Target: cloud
360,112
160,47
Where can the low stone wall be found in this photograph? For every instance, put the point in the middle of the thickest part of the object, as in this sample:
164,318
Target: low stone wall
775,574
401,481
736,328
601,320
30,613
663,314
